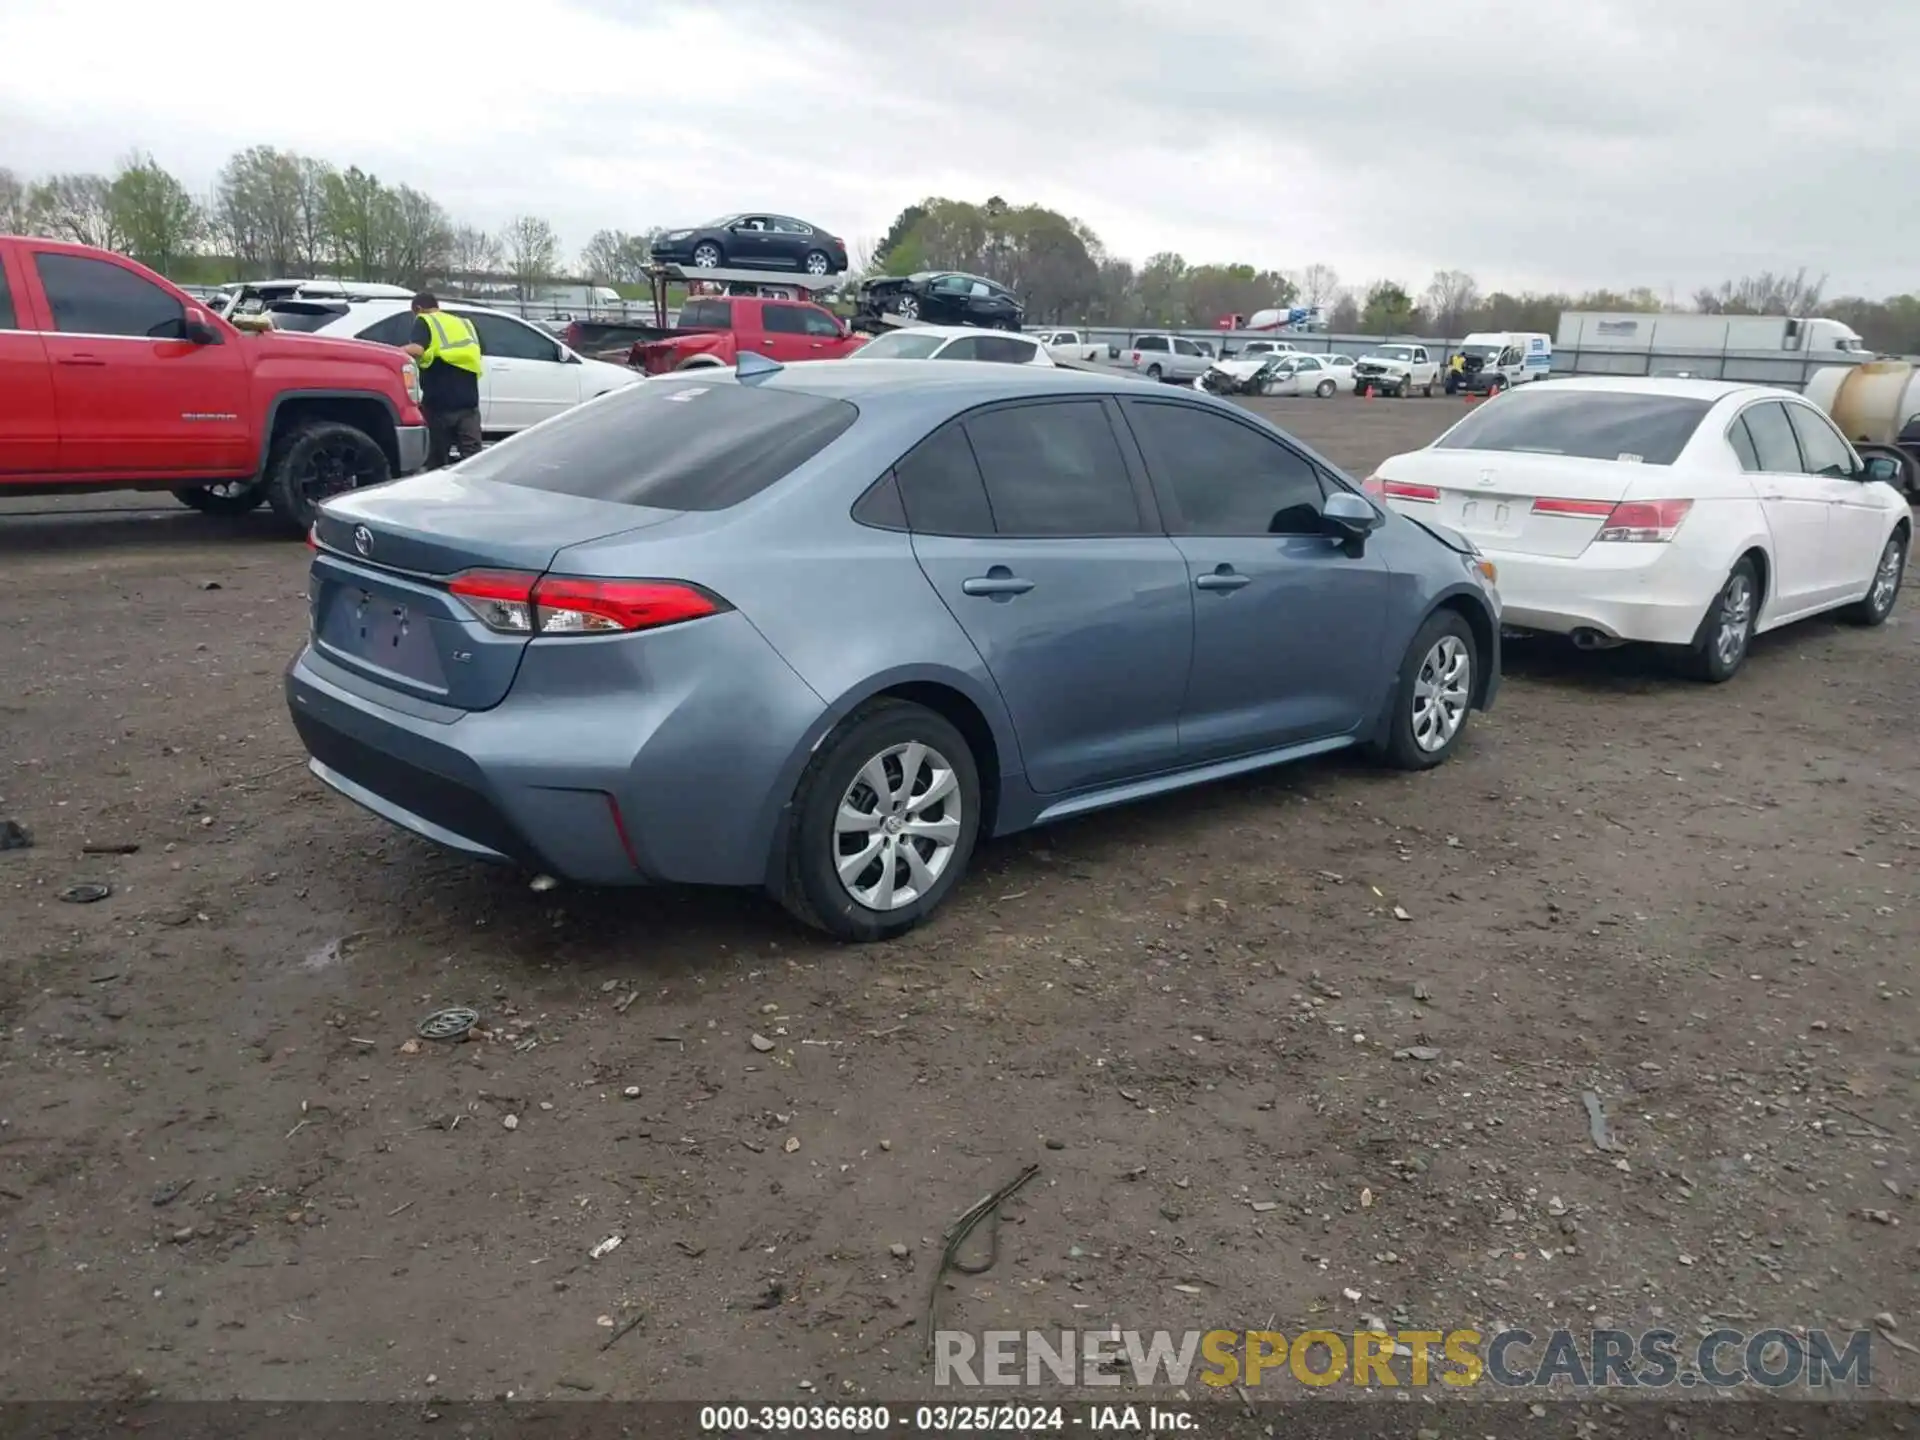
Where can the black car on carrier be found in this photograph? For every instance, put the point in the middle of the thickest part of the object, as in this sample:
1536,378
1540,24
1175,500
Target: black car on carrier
942,297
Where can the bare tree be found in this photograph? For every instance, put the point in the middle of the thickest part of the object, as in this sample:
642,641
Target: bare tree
474,252
1319,285
1763,294
614,257
316,246
13,203
1451,296
77,208
532,253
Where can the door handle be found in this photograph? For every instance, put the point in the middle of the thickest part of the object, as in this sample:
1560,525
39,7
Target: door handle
1224,577
1000,583
81,360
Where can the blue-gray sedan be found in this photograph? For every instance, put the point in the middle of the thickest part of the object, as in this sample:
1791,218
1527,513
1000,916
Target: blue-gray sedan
819,629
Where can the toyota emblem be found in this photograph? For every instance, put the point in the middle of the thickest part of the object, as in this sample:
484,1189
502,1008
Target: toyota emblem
363,539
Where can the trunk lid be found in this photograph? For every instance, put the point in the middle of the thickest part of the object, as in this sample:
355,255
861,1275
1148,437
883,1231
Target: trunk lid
385,612
1521,503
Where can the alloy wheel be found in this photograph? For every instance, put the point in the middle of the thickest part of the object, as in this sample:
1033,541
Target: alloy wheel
898,826
335,468
817,263
1736,621
1442,693
1886,579
706,257
908,308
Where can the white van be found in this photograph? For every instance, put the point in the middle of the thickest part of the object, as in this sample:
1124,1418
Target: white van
1496,359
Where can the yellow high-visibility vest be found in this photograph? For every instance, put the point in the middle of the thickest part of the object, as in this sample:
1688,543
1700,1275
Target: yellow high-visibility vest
450,341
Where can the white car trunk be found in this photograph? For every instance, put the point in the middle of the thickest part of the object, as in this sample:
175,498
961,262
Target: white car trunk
1522,503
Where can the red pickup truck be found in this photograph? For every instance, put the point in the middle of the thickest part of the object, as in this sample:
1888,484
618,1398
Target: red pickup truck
113,379
715,332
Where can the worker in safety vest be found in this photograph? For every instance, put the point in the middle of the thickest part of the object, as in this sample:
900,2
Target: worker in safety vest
448,349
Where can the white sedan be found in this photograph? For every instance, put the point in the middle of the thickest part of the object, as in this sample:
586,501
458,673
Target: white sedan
527,375
1278,374
954,342
1686,513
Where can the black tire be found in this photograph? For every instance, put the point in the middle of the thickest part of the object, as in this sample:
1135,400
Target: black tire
1426,391
812,891
1874,608
1325,389
312,462
825,266
234,497
1402,747
1153,372
1725,636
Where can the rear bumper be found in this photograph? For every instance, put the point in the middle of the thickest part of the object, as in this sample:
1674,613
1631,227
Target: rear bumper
411,443
1656,594
628,765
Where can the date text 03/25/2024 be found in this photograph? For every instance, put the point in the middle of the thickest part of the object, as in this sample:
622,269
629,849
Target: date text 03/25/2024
942,1419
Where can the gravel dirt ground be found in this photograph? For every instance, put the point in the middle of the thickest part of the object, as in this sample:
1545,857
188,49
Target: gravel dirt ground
1279,1043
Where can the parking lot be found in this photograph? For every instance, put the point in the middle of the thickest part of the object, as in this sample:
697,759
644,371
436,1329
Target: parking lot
1320,1032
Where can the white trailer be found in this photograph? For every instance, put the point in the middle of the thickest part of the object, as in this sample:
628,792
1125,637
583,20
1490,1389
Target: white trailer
1645,331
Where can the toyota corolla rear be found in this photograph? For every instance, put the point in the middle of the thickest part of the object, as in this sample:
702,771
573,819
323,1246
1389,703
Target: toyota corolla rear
1602,522
525,658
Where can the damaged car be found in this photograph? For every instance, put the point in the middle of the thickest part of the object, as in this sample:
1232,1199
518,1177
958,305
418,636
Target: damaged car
1276,374
942,297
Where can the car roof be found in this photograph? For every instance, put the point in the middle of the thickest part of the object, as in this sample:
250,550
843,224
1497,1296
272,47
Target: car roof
1709,390
952,332
882,384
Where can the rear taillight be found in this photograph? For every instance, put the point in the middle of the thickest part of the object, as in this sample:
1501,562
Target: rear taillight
1373,485
515,603
313,537
1587,509
1400,490
1644,522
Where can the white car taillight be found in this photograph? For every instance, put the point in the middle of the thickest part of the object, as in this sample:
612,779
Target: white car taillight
1644,522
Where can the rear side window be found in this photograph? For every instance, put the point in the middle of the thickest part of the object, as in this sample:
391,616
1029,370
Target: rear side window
941,489
1590,425
710,314
1054,469
783,319
94,297
1825,452
394,330
671,444
1772,434
1742,443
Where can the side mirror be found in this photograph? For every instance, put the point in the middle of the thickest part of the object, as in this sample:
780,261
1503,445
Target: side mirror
1883,468
199,329
1349,519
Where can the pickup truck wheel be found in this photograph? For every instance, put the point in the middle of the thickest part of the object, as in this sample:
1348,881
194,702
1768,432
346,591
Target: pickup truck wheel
1427,391
230,497
314,462
1153,372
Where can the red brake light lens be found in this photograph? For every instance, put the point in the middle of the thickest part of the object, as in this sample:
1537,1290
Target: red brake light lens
1589,509
1644,522
313,536
1400,490
515,603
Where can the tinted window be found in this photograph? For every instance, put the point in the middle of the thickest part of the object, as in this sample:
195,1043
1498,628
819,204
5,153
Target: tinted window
1054,469
678,444
92,297
1008,350
1772,434
1225,478
1825,452
1185,347
1593,425
783,320
967,347
1305,364
1150,342
394,330
506,339
819,324
1742,444
708,314
940,487
6,300
293,315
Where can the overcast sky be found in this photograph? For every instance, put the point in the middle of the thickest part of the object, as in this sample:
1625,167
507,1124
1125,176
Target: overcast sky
1549,144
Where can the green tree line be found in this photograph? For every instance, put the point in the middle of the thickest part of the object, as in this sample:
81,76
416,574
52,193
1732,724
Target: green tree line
274,212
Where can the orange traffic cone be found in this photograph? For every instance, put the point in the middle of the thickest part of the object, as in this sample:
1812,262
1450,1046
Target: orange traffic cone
1366,392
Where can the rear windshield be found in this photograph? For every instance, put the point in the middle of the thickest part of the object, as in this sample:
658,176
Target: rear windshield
1590,425
679,444
306,318
710,314
901,345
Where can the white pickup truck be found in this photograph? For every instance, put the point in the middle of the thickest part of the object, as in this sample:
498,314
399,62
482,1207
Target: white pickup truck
1073,345
1397,370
